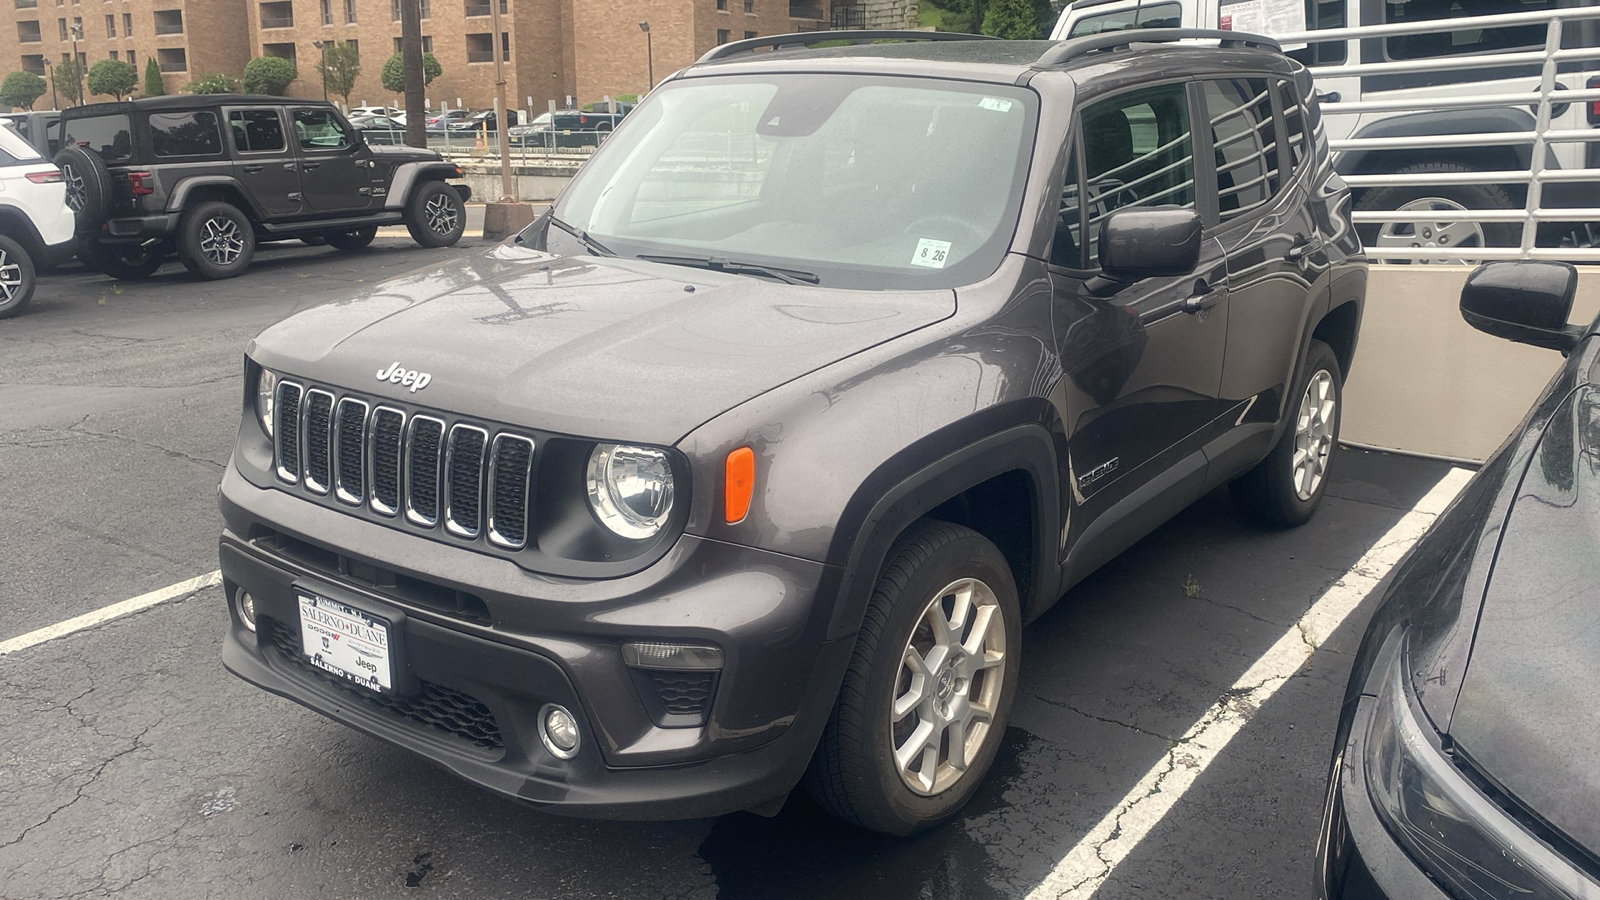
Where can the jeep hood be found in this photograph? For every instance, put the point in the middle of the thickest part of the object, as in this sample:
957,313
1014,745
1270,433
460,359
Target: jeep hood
402,153
588,346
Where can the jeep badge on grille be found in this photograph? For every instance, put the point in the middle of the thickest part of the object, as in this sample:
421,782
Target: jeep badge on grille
411,378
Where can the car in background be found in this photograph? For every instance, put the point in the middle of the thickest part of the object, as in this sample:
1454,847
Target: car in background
1465,764
36,227
37,127
377,129
439,122
566,128
389,111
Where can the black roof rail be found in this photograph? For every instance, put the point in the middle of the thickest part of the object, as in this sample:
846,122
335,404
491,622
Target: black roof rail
777,41
1066,51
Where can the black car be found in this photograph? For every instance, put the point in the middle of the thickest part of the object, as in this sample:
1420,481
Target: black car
1465,764
746,462
207,177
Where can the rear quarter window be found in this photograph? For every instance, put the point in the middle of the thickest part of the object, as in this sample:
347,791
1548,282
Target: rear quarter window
185,134
109,136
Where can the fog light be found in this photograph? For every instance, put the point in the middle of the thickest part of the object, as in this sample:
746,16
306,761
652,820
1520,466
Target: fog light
678,657
559,731
247,610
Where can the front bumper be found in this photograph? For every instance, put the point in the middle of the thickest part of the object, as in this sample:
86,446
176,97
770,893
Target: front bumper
486,683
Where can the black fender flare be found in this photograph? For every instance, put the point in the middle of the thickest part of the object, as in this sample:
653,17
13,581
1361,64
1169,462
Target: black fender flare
409,175
178,200
1478,121
885,505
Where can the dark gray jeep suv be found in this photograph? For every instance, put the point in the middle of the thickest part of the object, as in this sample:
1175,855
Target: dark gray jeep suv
745,464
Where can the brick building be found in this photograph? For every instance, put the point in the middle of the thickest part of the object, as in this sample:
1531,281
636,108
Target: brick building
554,49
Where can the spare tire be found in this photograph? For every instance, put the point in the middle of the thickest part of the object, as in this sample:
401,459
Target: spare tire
88,184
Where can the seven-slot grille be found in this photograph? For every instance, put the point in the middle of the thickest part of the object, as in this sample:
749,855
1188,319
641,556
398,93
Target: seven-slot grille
381,458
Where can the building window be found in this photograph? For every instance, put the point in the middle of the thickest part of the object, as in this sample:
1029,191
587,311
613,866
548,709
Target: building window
505,45
476,8
749,7
127,24
33,62
355,47
750,35
805,9
327,12
130,57
349,12
111,26
113,54
170,21
722,5
480,48
172,59
28,32
722,35
427,43
281,51
27,4
277,15
63,24
394,8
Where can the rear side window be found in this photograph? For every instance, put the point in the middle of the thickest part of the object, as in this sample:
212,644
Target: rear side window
1136,152
1244,138
1475,40
1153,15
256,130
1294,124
109,136
185,134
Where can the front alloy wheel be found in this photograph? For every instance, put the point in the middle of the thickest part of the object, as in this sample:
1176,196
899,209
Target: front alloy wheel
924,703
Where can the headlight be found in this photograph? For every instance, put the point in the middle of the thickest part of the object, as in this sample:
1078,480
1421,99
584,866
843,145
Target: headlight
266,394
1458,835
630,489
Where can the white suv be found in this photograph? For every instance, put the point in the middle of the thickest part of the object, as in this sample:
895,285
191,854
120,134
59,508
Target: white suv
36,227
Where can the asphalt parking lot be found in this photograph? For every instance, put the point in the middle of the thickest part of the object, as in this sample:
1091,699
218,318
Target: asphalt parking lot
1170,738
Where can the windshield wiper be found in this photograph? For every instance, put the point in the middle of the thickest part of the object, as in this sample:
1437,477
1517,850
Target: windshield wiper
594,246
721,264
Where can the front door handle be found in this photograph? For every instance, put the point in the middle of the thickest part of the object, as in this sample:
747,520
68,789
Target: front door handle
1327,96
254,170
309,167
1205,296
288,167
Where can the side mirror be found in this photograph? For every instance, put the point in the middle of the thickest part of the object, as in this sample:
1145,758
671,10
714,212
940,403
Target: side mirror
1526,302
1147,243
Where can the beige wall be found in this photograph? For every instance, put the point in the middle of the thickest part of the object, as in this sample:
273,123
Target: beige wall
1424,381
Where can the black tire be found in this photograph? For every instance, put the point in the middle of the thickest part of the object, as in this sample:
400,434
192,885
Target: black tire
435,215
354,239
853,773
18,277
1270,494
88,185
216,240
127,262
1463,196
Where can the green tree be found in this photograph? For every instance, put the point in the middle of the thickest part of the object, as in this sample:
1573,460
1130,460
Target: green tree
268,75
20,89
113,77
153,85
215,83
340,67
67,77
1011,19
393,74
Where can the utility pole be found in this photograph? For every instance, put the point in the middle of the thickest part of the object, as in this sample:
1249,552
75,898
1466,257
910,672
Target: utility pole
77,33
49,75
322,66
411,62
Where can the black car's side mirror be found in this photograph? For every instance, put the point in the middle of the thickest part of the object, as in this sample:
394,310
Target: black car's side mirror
1146,243
1526,302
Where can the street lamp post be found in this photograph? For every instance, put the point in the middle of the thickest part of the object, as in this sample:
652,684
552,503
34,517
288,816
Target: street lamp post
51,77
649,54
322,65
76,31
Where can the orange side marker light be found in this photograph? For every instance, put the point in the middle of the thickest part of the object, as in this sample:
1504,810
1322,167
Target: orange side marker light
741,484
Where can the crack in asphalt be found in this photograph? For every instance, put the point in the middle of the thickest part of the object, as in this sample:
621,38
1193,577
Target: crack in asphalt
1087,715
1239,609
78,793
177,454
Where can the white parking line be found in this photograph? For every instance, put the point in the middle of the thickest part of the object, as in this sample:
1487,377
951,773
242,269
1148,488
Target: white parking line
1092,860
107,613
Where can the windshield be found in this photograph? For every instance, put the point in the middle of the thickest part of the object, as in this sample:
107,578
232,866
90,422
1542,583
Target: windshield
870,182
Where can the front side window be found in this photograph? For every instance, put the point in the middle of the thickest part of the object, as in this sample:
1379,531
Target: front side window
109,136
1067,248
1475,40
256,130
867,182
185,134
1154,15
1137,152
318,129
1245,140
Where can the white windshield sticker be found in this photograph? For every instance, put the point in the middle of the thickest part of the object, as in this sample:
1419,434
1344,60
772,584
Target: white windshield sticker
931,253
995,103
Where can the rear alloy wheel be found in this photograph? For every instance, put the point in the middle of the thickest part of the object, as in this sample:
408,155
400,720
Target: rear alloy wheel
435,216
1452,240
352,239
925,701
1284,489
17,277
216,240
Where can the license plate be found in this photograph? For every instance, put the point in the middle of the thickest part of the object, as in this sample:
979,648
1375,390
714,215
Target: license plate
346,642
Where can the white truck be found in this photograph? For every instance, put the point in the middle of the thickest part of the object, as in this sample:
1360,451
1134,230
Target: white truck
1411,79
